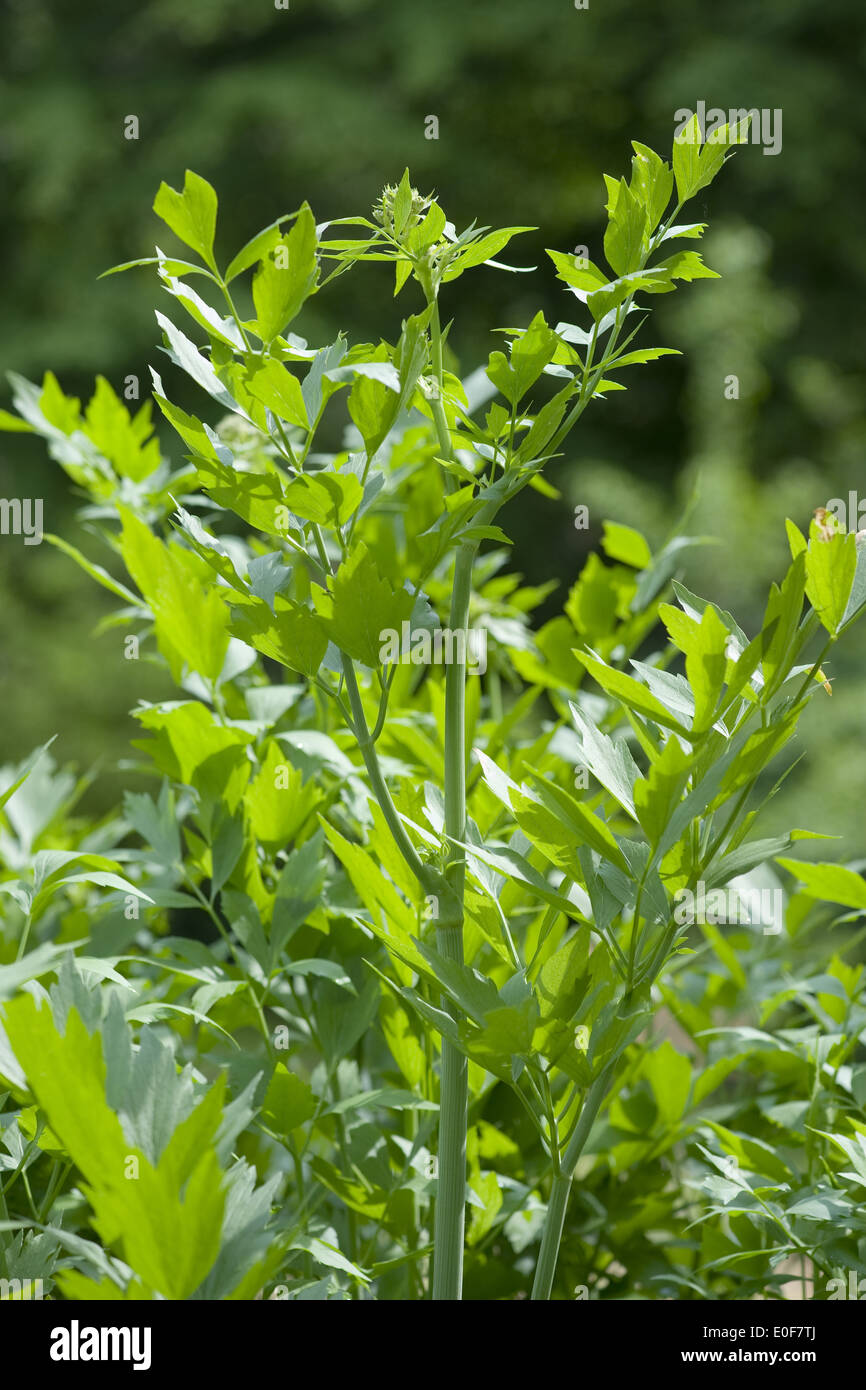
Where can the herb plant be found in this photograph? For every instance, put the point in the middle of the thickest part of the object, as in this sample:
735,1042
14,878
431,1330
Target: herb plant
399,931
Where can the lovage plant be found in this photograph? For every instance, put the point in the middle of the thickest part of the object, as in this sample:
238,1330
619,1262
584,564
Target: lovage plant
440,857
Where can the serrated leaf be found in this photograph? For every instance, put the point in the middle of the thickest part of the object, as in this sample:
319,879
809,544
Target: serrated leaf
361,608
286,277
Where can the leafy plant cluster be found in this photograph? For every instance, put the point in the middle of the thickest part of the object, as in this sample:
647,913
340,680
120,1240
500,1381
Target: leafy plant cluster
390,951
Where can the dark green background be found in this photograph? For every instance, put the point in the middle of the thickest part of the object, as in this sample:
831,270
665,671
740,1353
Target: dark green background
327,101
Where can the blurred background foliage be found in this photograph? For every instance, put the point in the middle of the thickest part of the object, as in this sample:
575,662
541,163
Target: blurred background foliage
327,100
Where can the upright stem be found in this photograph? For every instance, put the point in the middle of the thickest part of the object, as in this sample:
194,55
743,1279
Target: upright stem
561,1190
454,1087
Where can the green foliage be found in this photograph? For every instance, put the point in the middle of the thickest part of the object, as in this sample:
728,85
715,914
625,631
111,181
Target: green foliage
454,893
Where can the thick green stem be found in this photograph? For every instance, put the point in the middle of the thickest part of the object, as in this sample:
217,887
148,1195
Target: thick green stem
451,1169
454,1085
561,1190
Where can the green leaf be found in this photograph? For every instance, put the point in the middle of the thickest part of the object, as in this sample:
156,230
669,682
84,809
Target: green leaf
289,634
171,1241
403,1040
752,1155
578,272
602,301
219,328
95,571
830,882
485,1186
267,575
686,265
329,499
299,891
382,371
328,1254
393,920
286,277
24,771
190,429
192,746
636,359
651,182
123,439
610,763
858,590
67,1077
669,1074
323,968
629,692
191,619
530,354
361,608
373,407
191,215
705,645
557,987
376,402
13,424
280,390
402,203
599,600
583,826
623,543
542,430
483,251
385,1098
169,264
256,497
781,620
623,240
278,801
319,384
657,795
696,162
831,563
257,248
33,966
511,864
155,822
758,750
687,159
187,356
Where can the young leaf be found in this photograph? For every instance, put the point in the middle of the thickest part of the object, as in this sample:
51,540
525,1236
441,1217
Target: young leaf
651,182
831,563
623,240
